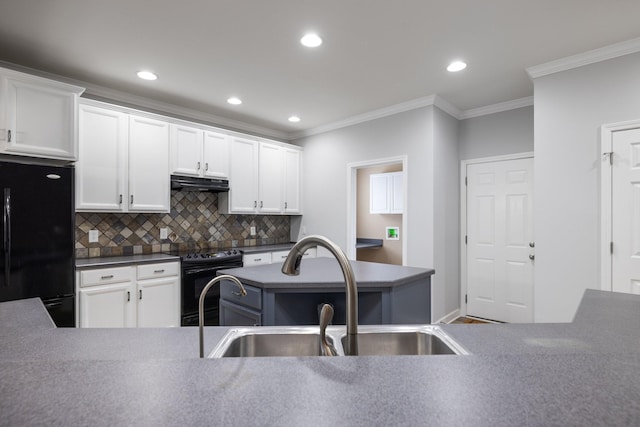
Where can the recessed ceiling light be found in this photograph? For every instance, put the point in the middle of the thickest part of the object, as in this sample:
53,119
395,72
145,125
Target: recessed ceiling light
294,119
456,66
234,101
311,40
147,75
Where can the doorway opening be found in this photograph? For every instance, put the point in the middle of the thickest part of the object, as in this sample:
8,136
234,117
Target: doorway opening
376,233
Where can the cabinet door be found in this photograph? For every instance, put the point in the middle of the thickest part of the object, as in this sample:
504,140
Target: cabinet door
397,192
159,302
186,150
215,155
148,165
270,187
100,171
379,201
243,181
235,315
40,116
108,306
292,177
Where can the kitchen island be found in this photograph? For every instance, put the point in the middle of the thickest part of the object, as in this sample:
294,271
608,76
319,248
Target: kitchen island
387,294
583,373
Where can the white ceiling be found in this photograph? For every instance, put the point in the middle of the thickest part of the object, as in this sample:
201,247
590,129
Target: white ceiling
376,53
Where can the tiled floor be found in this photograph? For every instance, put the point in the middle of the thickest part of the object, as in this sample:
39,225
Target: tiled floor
467,320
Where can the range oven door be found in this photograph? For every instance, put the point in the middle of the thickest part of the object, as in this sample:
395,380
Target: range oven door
194,279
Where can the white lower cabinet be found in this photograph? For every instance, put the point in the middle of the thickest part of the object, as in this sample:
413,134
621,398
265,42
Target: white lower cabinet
147,295
272,257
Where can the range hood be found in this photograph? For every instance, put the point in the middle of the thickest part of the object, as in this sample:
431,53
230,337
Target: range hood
189,183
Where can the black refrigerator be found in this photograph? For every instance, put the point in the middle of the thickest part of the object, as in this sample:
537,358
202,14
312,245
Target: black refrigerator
38,233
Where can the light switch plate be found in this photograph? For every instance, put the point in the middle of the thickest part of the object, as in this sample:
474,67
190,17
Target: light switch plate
164,233
253,231
93,236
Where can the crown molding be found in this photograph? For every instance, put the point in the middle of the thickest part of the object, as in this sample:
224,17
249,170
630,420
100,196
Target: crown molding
380,113
497,108
586,58
93,91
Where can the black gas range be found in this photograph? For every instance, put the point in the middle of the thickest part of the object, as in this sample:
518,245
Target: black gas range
197,269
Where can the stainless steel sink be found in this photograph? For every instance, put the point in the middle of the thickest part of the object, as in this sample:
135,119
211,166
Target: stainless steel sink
373,340
386,340
269,341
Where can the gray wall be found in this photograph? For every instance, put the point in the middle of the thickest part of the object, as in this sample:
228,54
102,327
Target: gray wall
507,132
412,134
447,213
570,107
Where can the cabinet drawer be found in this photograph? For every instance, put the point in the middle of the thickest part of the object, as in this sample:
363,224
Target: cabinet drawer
104,276
164,269
229,291
256,259
280,256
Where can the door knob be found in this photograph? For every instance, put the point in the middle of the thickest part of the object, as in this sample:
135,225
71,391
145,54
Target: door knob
532,257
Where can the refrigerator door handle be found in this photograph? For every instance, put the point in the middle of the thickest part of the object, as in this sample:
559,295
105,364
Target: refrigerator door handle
6,225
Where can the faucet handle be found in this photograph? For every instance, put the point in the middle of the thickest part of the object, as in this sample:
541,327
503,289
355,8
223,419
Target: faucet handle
326,315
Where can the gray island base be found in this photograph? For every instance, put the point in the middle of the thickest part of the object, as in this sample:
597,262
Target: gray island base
387,294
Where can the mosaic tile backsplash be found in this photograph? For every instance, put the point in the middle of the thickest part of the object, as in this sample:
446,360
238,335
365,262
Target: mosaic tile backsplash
194,223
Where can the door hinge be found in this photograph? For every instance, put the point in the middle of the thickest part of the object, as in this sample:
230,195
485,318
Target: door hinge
465,298
611,247
465,240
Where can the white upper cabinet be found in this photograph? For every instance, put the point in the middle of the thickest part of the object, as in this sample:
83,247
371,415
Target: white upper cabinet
292,181
197,152
123,163
186,150
242,197
270,181
148,165
38,117
386,193
264,179
101,171
215,155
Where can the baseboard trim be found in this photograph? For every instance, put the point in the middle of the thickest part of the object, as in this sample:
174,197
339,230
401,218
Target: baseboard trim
450,317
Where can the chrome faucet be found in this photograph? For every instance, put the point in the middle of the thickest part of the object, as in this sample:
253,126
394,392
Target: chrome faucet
212,282
291,267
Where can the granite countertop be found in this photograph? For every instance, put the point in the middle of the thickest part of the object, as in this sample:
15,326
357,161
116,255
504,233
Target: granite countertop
119,261
326,272
94,262
583,373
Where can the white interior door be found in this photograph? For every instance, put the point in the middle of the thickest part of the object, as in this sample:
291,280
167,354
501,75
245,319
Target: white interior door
625,211
500,240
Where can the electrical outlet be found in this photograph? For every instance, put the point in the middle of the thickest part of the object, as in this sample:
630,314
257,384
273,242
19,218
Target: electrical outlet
93,236
253,231
164,233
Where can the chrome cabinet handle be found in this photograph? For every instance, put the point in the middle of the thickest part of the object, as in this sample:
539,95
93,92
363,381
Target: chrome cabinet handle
532,257
206,166
198,168
285,205
121,199
9,135
159,271
110,276
261,203
255,204
132,199
532,244
128,296
140,293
